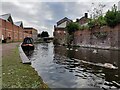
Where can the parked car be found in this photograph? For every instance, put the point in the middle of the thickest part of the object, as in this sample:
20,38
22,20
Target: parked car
28,44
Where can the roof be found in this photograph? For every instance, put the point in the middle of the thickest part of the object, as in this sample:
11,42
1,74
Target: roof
28,28
83,18
63,20
7,17
19,23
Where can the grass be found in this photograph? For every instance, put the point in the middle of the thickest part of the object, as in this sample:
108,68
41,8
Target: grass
18,75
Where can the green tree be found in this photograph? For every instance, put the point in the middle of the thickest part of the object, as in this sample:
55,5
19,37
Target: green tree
101,21
71,28
112,17
118,16
91,23
39,35
44,34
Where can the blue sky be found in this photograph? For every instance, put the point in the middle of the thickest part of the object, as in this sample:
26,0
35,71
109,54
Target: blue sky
43,15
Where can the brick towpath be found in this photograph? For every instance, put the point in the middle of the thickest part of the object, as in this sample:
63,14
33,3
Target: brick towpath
8,48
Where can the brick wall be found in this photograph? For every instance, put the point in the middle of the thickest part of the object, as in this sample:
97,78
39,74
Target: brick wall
31,31
87,37
61,35
20,34
16,29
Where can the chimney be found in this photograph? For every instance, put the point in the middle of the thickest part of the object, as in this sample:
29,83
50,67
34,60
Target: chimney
77,20
86,15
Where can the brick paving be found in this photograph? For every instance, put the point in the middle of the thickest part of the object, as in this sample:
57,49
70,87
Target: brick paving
8,47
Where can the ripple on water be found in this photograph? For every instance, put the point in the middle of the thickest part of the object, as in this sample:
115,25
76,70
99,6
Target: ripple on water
59,70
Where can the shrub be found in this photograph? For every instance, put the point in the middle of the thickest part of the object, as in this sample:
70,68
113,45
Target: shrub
72,27
112,17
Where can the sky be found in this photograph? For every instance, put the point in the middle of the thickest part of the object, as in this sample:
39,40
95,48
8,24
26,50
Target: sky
43,14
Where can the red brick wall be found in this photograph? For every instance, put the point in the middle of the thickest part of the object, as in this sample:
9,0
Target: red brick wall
86,38
21,34
27,35
16,29
82,37
60,34
3,28
31,32
0,29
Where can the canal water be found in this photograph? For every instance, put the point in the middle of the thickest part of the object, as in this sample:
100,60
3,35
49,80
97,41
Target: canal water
78,67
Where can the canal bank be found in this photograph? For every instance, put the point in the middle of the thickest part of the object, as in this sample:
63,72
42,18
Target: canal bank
14,73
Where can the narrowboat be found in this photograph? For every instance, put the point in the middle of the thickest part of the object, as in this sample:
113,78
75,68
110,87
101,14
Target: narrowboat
28,44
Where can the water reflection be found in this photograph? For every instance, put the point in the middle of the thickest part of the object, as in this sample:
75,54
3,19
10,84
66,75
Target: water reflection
64,68
29,53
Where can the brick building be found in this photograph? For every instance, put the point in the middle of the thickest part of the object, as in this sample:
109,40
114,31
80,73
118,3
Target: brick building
32,31
84,20
98,37
20,30
10,31
59,30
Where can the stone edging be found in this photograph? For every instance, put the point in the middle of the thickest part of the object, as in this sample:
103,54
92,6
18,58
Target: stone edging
23,57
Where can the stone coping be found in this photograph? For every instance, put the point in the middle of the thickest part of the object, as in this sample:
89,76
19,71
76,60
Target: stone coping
23,57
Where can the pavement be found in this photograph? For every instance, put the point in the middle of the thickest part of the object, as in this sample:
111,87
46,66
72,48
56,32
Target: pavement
8,47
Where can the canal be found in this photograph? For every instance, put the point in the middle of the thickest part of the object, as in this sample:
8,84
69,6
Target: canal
61,67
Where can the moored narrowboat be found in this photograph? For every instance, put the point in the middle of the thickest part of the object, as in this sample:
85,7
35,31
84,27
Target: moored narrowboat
28,44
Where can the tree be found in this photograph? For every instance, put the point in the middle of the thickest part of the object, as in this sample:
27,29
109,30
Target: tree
96,13
91,24
101,21
71,28
44,34
39,35
96,10
113,17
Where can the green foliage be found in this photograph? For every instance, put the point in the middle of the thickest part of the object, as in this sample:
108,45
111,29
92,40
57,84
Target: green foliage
91,23
39,35
113,17
70,38
84,27
118,16
72,27
44,34
101,21
56,42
